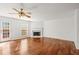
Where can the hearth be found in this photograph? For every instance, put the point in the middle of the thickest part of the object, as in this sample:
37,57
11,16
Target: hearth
36,33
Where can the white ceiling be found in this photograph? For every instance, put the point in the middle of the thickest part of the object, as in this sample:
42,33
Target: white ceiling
41,11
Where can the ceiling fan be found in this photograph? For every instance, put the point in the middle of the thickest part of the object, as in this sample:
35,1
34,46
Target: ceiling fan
21,13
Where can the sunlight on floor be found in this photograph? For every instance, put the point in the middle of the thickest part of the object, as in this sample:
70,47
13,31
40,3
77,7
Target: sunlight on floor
5,48
23,47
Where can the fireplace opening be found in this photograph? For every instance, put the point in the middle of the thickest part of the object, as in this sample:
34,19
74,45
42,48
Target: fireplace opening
36,33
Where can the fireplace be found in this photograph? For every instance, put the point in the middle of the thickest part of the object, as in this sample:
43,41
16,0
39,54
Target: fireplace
37,33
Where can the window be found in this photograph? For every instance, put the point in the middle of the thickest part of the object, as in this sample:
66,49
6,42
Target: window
5,29
23,32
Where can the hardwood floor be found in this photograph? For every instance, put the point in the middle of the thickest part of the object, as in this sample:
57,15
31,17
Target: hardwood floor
38,46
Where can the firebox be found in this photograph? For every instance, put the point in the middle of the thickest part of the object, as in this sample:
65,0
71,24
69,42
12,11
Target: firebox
36,33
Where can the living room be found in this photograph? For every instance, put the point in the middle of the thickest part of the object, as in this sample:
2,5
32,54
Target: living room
40,26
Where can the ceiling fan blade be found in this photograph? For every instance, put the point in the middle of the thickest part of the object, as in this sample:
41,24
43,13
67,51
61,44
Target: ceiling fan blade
29,12
27,16
26,12
19,16
16,10
12,13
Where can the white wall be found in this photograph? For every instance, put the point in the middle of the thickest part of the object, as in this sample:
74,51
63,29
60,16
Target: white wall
36,24
61,28
0,29
77,26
